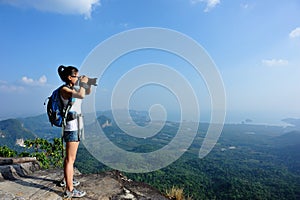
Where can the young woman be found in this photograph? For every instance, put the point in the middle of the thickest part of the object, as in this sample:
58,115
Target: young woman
73,128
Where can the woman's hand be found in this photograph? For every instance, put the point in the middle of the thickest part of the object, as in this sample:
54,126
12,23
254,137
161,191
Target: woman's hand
84,79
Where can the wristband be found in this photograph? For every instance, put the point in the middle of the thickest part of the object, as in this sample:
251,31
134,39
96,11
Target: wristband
84,85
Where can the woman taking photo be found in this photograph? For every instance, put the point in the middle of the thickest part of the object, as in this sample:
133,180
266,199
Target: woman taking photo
73,128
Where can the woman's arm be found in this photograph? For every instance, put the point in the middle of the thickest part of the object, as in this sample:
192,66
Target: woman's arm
67,92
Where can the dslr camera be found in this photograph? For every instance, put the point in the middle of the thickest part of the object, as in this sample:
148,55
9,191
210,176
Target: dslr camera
91,81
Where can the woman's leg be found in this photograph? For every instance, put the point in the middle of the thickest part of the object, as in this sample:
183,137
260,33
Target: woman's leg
71,150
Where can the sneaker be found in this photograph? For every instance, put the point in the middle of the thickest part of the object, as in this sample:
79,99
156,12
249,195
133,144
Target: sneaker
74,194
63,183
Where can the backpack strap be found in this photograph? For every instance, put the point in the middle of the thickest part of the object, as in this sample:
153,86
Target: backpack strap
68,107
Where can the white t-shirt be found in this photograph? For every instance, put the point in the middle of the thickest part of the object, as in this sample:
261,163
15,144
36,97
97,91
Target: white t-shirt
76,107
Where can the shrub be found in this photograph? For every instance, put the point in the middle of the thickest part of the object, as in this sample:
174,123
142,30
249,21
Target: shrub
7,152
47,153
176,194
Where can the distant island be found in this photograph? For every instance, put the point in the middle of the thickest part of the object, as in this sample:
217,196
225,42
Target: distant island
293,121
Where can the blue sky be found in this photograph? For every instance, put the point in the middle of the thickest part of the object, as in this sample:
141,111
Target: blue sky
254,44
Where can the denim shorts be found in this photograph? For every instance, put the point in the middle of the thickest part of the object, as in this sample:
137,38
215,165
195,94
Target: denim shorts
72,136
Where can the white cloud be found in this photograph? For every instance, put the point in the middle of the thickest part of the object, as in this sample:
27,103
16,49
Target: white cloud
22,85
82,7
275,62
42,80
295,33
210,4
29,81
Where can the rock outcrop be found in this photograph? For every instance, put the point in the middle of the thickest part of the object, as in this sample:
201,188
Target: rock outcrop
22,181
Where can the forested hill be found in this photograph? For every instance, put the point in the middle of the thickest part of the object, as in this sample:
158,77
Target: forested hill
248,162
13,133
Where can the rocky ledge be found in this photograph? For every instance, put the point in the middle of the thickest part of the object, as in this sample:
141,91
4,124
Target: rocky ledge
25,180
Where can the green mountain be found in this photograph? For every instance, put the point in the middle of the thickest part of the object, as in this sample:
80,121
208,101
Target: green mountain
41,127
248,162
13,133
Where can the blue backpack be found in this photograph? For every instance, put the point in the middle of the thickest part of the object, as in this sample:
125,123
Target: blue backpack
56,111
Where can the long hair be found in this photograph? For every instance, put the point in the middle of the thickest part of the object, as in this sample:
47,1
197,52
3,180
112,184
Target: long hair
64,72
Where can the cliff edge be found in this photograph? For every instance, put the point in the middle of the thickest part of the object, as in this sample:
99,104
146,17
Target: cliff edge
25,180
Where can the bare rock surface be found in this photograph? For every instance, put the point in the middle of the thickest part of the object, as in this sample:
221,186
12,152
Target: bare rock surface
22,181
